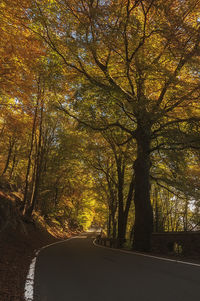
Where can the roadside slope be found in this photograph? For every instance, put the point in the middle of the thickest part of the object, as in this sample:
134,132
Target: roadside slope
19,240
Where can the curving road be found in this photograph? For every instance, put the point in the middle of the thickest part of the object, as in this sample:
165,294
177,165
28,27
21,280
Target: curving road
76,270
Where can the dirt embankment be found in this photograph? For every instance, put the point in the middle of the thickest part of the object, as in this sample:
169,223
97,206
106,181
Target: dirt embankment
18,242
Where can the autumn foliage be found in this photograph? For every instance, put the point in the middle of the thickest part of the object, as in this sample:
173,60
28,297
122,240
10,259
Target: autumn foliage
104,102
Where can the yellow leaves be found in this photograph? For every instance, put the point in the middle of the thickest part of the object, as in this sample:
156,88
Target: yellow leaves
2,6
19,49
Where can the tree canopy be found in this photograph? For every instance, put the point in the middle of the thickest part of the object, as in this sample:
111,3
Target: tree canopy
107,93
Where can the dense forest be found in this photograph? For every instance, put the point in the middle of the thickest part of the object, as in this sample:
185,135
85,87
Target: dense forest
100,114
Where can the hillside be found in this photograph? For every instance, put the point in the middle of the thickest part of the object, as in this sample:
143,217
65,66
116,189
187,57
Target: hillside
19,239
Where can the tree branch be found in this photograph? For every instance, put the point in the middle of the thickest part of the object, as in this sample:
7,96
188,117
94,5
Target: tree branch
96,128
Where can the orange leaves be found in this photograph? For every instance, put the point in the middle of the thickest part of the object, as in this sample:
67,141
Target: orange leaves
19,49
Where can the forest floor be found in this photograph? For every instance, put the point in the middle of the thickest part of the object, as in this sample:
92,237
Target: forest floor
16,253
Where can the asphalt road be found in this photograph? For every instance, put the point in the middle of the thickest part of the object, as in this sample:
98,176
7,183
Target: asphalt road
76,270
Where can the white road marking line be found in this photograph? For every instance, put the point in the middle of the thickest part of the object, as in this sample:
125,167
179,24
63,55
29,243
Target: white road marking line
29,284
146,255
28,290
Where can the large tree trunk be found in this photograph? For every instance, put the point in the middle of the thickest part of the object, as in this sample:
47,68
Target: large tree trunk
143,210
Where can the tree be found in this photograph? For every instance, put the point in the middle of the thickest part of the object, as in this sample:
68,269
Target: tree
113,164
136,62
20,51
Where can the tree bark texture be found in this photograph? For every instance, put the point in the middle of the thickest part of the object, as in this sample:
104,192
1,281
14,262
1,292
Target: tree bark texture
143,210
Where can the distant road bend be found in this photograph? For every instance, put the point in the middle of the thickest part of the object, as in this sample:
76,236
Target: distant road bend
76,270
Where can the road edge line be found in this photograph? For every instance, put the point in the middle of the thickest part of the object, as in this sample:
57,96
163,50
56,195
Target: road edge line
29,283
146,255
